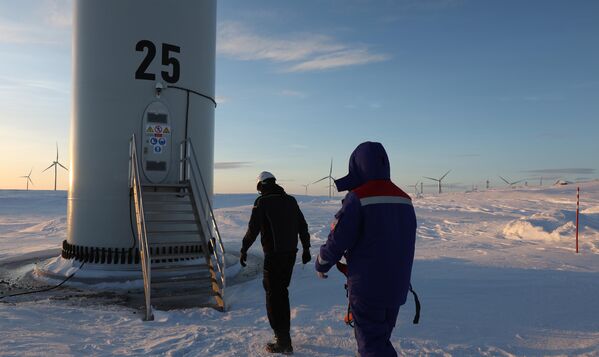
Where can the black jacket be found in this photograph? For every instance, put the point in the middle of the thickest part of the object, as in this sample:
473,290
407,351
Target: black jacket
279,220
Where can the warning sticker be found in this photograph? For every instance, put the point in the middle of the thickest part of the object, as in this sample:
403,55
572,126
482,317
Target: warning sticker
150,130
162,141
158,129
166,130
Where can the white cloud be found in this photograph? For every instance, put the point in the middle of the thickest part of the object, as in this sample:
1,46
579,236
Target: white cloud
220,99
231,165
49,24
59,13
302,52
345,58
292,93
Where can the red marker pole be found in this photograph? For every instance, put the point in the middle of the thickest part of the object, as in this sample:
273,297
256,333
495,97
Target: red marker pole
577,213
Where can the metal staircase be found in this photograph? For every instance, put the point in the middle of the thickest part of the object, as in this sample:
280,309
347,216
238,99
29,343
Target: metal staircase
181,252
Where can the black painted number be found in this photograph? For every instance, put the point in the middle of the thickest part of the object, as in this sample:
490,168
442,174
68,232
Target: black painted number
172,75
143,67
167,60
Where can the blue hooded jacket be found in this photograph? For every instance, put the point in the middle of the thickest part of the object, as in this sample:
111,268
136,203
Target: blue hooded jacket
375,230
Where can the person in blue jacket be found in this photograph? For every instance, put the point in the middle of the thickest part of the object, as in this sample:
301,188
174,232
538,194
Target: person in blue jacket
375,231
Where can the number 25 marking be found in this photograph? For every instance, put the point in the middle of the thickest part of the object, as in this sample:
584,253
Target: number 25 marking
167,60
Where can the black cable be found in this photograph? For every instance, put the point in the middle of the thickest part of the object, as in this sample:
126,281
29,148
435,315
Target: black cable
195,92
46,289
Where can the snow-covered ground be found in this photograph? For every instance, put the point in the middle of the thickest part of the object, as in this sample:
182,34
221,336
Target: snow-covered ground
496,272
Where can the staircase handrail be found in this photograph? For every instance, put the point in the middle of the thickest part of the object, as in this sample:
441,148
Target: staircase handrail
142,236
190,167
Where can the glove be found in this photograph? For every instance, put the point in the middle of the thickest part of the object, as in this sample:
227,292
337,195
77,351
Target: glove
321,275
306,256
242,258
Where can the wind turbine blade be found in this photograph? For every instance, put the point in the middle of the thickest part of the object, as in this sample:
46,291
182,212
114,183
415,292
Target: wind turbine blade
30,171
504,180
515,182
57,151
442,177
430,178
324,178
62,166
331,169
23,176
49,167
30,180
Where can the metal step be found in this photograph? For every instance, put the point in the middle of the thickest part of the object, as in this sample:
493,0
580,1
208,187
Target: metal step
180,268
174,214
181,193
166,220
169,197
173,232
196,275
185,301
173,238
164,185
162,259
181,285
168,203
169,228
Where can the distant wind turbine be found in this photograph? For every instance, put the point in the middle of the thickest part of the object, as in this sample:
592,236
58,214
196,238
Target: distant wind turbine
511,184
306,187
28,178
328,177
416,187
55,163
439,179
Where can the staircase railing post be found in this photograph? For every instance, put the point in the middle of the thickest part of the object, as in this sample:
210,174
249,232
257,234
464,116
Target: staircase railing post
142,236
204,205
181,162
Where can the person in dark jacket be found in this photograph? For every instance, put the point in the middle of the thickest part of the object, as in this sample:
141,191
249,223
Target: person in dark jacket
375,230
278,219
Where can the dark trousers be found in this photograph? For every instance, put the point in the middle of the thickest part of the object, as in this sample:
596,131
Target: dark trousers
278,268
374,325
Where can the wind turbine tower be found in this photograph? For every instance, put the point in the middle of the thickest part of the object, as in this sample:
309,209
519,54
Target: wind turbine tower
331,178
439,180
306,187
56,163
488,184
28,178
416,188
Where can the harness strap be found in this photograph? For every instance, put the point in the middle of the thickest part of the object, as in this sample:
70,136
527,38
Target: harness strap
417,301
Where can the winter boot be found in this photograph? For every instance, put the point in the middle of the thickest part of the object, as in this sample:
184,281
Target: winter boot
280,345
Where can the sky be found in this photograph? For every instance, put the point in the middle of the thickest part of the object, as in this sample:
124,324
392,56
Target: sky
482,88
